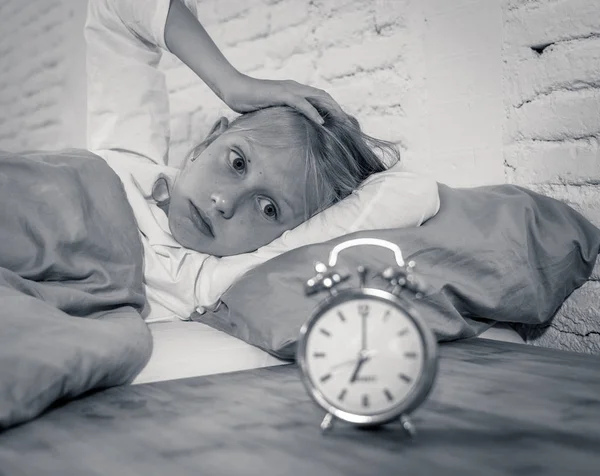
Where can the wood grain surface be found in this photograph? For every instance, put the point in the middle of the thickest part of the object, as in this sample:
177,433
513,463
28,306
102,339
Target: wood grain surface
497,409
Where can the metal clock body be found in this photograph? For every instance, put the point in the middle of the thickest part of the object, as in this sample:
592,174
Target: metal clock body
365,355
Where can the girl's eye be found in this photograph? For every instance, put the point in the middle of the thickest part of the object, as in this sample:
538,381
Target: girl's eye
238,163
268,208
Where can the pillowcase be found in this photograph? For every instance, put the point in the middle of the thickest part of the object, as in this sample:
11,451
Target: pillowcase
389,199
492,254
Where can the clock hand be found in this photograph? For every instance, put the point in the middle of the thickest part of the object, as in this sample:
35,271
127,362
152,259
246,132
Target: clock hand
361,361
342,364
370,353
363,347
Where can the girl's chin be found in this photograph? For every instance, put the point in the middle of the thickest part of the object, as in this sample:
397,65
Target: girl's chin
187,236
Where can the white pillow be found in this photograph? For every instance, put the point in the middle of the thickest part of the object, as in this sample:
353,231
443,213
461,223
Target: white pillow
389,199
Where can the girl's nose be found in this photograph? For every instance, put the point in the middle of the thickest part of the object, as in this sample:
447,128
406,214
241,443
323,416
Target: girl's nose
223,204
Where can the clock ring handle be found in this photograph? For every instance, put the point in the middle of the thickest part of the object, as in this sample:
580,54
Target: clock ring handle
333,256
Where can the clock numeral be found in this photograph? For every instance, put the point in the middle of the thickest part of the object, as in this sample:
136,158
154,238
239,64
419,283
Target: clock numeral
325,377
410,355
342,394
405,378
325,332
388,394
341,316
363,310
403,332
318,355
365,400
386,315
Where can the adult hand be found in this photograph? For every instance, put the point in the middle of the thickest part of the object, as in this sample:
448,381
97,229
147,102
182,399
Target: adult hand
246,94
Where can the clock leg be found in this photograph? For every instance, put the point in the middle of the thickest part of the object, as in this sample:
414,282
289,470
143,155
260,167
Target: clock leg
327,423
408,426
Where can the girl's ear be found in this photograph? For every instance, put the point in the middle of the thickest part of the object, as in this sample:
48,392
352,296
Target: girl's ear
215,131
218,127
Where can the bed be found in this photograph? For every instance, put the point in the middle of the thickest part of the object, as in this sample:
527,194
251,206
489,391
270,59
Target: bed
71,282
184,349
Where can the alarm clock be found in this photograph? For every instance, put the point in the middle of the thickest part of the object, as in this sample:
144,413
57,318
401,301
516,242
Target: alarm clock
365,355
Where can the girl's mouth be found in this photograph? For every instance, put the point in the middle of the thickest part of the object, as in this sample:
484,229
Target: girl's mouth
201,221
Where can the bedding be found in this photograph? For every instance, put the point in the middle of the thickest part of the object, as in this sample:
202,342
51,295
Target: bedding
497,253
70,282
184,349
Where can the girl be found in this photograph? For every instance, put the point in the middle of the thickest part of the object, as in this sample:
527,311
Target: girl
291,154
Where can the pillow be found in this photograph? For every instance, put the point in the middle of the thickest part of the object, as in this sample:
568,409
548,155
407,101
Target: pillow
491,254
389,199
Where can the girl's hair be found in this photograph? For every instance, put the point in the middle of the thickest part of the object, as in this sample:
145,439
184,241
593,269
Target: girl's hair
339,156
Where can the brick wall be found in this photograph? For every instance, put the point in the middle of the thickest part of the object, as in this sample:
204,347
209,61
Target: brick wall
42,69
473,91
418,73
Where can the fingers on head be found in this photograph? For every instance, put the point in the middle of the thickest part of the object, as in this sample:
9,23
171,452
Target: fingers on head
310,111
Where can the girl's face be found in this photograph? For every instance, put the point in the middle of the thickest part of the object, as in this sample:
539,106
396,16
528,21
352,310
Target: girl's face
237,196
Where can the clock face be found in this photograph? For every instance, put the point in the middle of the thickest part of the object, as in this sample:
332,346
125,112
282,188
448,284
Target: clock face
364,355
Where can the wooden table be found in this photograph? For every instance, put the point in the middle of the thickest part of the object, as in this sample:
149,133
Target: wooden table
497,409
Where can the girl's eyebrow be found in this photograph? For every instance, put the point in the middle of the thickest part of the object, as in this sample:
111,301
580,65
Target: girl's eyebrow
245,146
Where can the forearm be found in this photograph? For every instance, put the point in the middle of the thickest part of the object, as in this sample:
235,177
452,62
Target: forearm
187,39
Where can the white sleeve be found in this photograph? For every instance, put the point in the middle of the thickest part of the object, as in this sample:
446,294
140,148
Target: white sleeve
128,105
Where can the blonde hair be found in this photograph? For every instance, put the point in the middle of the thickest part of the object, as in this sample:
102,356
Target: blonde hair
339,156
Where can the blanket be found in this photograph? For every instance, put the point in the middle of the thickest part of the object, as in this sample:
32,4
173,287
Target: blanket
71,287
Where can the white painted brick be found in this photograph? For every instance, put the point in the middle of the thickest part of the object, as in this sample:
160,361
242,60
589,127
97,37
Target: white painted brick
557,116
376,53
36,52
253,55
462,31
433,7
564,161
596,271
185,101
568,65
181,77
346,28
327,8
178,151
180,127
227,9
465,77
283,44
546,22
248,56
46,138
576,325
253,24
287,13
390,13
454,126
203,119
391,128
207,13
299,67
455,168
582,197
381,91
